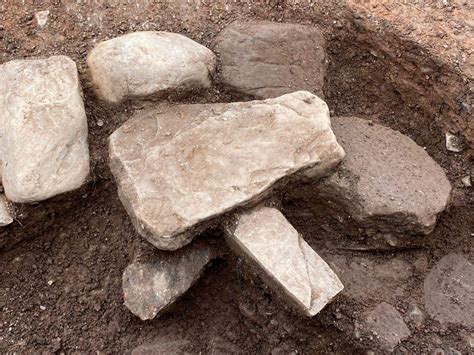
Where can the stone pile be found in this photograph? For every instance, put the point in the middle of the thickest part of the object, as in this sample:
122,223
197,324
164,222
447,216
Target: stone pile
184,169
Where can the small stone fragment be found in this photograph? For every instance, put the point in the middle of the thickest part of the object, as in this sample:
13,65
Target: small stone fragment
386,182
286,261
5,215
42,18
453,143
415,315
449,290
145,63
151,286
267,59
44,145
387,325
180,168
467,181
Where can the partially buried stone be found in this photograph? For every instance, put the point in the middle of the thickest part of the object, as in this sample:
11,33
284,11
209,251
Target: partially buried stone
284,259
147,63
44,143
449,290
387,325
150,286
267,59
5,215
387,183
179,169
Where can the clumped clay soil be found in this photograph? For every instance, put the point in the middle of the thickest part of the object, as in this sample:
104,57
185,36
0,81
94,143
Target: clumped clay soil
62,260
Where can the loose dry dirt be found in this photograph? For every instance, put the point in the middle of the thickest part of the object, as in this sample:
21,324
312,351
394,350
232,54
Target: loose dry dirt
62,260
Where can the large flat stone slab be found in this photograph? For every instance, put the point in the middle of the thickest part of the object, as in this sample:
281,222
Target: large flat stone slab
152,285
386,182
145,63
178,169
267,59
285,260
449,291
44,145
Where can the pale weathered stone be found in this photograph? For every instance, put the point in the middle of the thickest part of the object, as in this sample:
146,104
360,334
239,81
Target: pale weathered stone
5,215
179,169
449,291
386,182
44,145
286,261
145,63
267,59
387,325
150,286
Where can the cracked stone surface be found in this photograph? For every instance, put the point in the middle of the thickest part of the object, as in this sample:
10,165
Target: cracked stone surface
267,59
449,291
386,182
5,215
144,63
153,284
44,144
286,261
180,168
387,325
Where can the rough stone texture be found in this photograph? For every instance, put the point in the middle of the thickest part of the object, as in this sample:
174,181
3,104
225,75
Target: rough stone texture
163,347
150,286
266,59
369,279
267,239
145,63
386,182
221,346
387,325
44,145
5,215
449,291
179,169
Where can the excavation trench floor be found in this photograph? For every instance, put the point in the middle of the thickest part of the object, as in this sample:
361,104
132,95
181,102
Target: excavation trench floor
61,262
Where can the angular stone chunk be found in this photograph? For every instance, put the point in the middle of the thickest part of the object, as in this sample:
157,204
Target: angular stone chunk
268,59
449,291
5,215
179,169
145,63
386,182
387,325
151,286
267,239
44,145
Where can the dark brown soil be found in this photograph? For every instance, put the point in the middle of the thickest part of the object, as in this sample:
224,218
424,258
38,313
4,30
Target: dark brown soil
61,261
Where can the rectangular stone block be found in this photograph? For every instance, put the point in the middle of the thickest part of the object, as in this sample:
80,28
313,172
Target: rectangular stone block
283,258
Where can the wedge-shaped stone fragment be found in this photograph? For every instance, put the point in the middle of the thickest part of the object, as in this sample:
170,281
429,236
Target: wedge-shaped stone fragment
150,286
285,260
44,145
145,63
179,169
386,182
